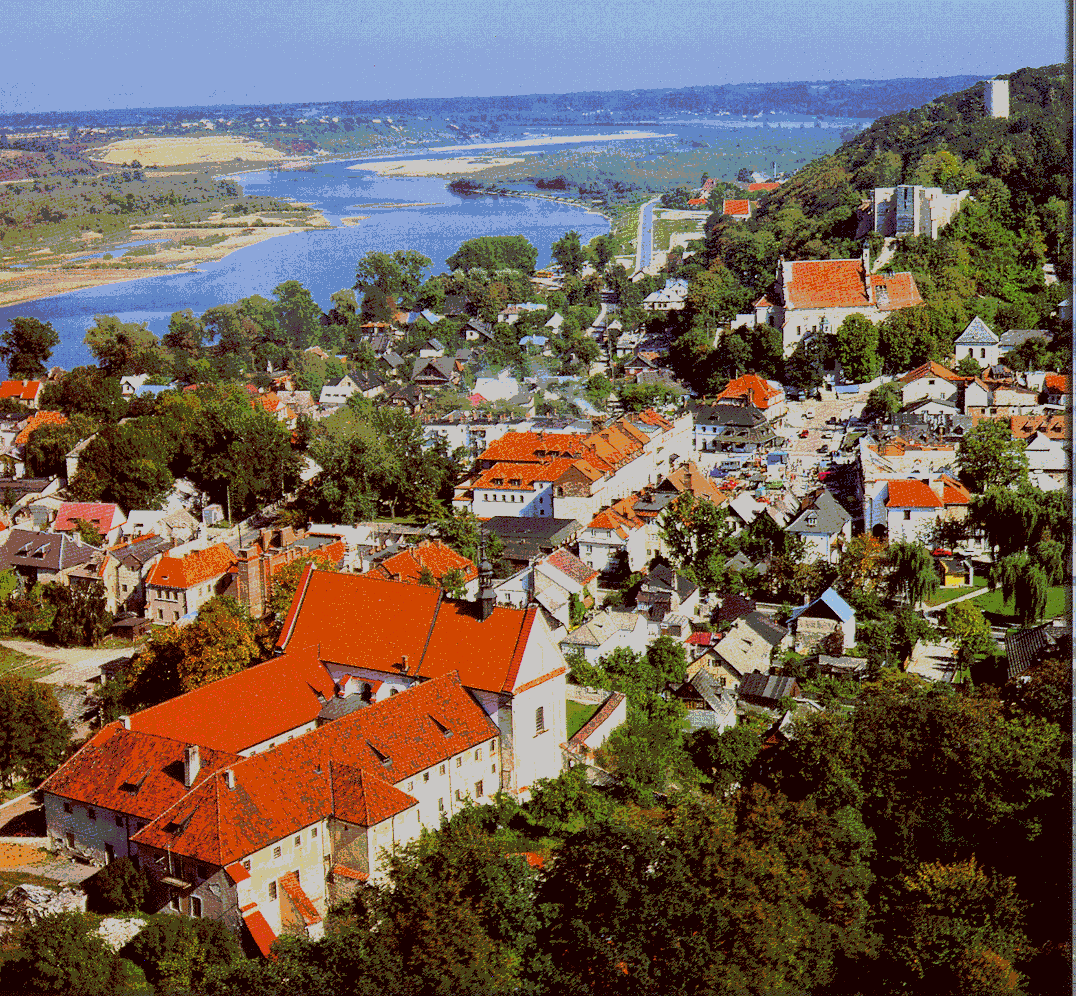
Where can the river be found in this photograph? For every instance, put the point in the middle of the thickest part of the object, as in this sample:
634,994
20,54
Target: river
323,261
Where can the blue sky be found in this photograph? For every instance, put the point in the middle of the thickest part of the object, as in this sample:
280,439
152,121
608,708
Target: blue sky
85,54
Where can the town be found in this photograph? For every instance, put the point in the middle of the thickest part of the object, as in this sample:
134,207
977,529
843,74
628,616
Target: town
700,513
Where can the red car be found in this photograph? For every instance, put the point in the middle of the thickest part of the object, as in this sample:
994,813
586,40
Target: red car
804,433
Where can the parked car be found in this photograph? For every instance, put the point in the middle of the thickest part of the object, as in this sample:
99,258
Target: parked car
809,413
824,448
804,433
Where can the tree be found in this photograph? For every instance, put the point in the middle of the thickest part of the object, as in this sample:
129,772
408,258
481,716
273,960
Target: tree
63,953
86,391
726,755
81,617
178,953
119,887
390,276
495,252
48,446
646,753
990,456
693,530
857,348
744,176
968,367
912,574
127,464
186,332
26,345
1024,583
969,631
883,401
297,313
568,252
125,347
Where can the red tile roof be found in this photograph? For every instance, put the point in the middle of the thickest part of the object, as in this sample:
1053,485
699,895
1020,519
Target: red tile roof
533,447
568,563
930,369
100,514
737,208
363,621
24,390
244,709
260,931
131,771
289,883
345,872
911,494
763,186
839,283
1058,383
192,568
693,201
953,492
37,421
433,555
504,476
348,766
237,873
1055,426
758,391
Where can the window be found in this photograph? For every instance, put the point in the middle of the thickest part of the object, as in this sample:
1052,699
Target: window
442,771
425,776
393,691
119,820
246,865
67,807
493,769
160,614
539,720
276,852
478,754
173,900
272,890
298,840
492,746
91,813
907,513
313,832
441,805
411,786
70,840
196,906
478,790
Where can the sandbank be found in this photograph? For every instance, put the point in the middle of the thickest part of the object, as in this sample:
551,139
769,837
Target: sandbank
176,151
436,167
353,220
554,140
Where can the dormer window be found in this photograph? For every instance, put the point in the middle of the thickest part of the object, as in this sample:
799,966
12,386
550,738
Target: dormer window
812,519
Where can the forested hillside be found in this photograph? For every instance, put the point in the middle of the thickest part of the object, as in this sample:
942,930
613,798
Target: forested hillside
988,261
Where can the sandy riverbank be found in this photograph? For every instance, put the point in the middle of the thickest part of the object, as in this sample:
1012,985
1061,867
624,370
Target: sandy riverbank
553,140
63,274
437,167
353,219
181,151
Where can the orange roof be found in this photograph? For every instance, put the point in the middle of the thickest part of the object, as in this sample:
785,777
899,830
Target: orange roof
244,709
349,766
260,931
953,492
737,207
912,494
1058,383
758,391
132,771
433,555
763,186
839,283
192,568
364,621
569,564
696,200
24,390
1054,426
929,369
294,891
36,421
506,476
688,477
533,447
99,514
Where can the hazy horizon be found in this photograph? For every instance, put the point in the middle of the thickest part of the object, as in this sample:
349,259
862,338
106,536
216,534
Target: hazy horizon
209,52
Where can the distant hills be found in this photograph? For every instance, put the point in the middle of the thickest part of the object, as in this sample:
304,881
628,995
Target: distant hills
836,98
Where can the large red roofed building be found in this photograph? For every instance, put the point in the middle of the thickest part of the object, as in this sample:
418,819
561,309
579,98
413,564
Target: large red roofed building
267,842
105,517
766,395
740,209
816,295
430,555
25,391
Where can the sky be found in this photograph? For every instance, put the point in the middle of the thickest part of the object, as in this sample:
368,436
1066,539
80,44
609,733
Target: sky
90,54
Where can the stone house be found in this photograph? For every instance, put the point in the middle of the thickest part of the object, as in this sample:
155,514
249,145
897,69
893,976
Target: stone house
181,583
827,614
40,557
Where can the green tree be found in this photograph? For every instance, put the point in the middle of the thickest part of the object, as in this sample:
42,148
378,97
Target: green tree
119,887
393,277
857,348
297,313
990,456
969,631
177,954
968,367
81,617
63,953
694,530
186,332
26,345
85,391
568,252
647,752
125,347
48,445
912,574
727,755
1024,583
883,400
495,252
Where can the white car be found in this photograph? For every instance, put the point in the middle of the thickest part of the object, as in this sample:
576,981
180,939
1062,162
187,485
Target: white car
809,413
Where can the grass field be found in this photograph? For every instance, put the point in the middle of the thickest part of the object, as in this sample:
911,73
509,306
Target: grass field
579,714
1000,613
943,595
664,230
14,662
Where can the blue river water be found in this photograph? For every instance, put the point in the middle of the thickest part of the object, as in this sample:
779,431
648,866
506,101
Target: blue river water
323,261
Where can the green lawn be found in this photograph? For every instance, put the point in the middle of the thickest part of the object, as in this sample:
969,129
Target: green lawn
579,714
15,662
1000,613
664,230
943,595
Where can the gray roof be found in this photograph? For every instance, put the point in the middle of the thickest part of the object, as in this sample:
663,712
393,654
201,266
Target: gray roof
340,706
829,517
47,551
444,365
664,577
746,416
842,666
1017,337
137,555
1025,648
771,687
977,333
770,631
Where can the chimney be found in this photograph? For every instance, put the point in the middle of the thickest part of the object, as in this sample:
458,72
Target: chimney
126,720
192,764
866,260
229,778
938,487
404,660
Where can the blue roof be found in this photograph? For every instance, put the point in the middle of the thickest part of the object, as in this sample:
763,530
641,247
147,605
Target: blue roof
833,602
431,317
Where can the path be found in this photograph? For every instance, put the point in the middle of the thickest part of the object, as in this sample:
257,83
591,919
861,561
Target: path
644,240
74,665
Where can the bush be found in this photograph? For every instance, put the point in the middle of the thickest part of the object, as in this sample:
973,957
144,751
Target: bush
121,887
177,952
